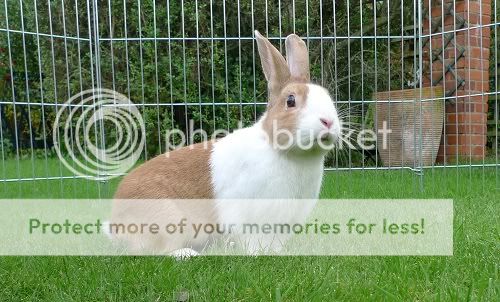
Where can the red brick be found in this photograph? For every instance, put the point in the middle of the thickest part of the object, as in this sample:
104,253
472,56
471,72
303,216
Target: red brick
468,107
426,82
475,19
465,129
473,63
451,23
477,85
469,96
450,53
473,6
465,126
465,150
472,40
464,6
466,139
474,74
451,77
486,8
479,30
437,67
467,118
484,85
451,84
436,11
479,52
452,159
481,107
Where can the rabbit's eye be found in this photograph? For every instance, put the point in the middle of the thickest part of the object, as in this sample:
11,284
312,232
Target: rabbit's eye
290,101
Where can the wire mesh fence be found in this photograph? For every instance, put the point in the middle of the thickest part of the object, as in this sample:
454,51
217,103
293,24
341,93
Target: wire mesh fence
193,65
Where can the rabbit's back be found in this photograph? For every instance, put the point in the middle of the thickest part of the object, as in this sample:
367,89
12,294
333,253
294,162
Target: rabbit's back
183,174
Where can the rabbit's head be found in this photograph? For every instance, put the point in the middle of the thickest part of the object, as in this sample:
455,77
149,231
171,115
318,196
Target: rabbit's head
300,115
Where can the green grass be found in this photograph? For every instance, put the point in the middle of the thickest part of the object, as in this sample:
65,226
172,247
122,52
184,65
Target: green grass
471,274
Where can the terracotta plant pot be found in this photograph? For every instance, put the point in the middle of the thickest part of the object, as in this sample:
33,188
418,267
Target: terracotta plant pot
415,118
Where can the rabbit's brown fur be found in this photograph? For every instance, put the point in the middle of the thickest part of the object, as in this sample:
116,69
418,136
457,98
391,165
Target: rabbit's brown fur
285,118
184,173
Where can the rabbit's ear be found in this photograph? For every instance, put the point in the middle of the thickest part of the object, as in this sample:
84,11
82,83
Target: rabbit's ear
297,57
273,64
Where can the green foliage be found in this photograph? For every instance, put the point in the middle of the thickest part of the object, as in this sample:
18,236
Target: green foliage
493,129
6,147
175,56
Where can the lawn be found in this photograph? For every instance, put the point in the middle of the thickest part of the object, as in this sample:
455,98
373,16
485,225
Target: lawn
471,274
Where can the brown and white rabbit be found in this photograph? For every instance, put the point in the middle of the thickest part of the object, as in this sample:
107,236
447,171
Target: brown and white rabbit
258,162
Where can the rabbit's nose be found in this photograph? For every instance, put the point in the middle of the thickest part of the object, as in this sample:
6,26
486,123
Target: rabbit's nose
326,122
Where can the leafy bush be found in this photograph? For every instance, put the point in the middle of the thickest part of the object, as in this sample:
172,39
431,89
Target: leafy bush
182,60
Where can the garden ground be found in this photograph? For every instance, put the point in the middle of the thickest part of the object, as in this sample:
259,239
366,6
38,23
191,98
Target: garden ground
472,273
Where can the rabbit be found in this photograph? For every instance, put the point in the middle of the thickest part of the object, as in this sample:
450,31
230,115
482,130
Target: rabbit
257,162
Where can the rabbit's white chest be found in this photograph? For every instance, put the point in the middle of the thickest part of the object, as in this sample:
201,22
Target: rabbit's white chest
244,166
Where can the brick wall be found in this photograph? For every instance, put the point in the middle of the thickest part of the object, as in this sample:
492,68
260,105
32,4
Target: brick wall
464,134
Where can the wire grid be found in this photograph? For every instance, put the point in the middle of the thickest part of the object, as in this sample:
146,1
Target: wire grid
197,60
